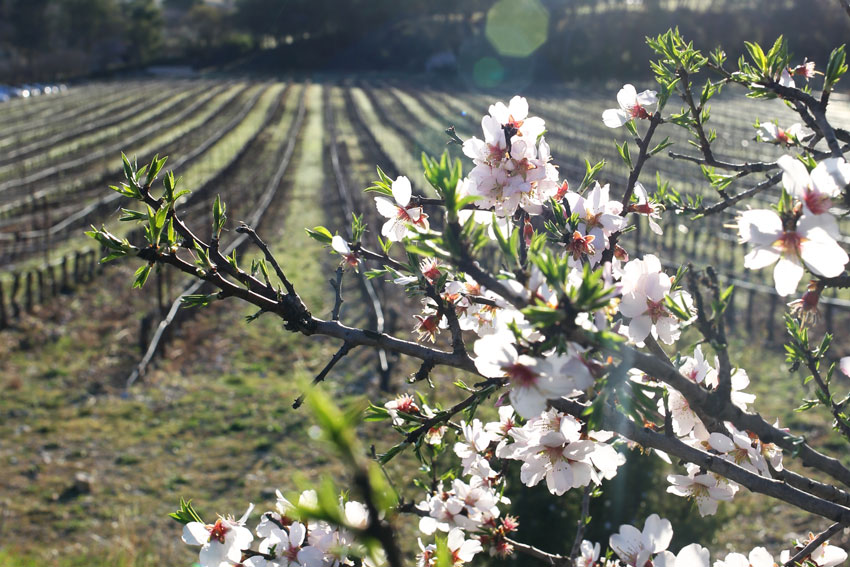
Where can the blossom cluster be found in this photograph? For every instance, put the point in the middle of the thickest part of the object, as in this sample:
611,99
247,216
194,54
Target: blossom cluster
284,540
640,548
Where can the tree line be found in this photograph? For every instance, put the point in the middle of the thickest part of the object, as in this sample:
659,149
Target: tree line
61,39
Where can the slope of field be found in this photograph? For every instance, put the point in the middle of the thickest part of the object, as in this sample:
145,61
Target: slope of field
91,468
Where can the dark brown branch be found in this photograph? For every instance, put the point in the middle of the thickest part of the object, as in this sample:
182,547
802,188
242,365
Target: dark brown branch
618,422
711,408
814,544
445,308
841,282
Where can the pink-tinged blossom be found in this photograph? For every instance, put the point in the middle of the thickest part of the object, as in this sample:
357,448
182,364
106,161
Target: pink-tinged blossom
403,220
599,217
512,163
588,554
552,447
693,555
221,543
636,548
632,105
758,557
771,133
705,489
533,380
462,549
287,549
741,450
645,289
682,417
472,450
809,243
402,404
464,505
816,189
341,247
645,206
515,117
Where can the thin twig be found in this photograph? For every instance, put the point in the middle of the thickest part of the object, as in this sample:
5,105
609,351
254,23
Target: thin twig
734,199
338,301
339,355
537,553
581,524
252,234
747,167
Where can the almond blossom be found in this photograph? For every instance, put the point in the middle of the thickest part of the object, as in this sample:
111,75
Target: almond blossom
552,447
599,217
645,289
636,548
632,105
471,452
349,259
693,555
758,557
221,543
401,217
771,133
816,189
705,489
286,548
809,242
645,206
533,380
824,555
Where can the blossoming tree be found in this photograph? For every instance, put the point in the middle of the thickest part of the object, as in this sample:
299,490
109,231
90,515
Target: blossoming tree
523,285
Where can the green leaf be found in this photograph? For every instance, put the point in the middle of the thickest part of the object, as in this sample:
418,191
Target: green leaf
186,513
142,276
321,234
757,55
665,143
219,216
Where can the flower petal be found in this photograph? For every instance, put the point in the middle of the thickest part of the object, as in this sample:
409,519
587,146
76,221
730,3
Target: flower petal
786,276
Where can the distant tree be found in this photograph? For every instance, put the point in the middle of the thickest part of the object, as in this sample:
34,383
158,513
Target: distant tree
86,22
30,24
182,5
143,30
207,24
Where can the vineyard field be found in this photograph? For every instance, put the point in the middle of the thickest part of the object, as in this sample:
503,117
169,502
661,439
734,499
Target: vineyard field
88,459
